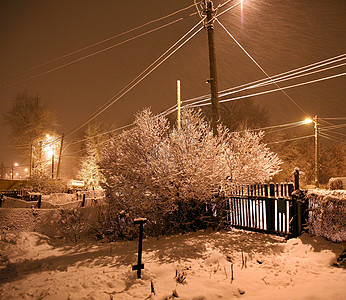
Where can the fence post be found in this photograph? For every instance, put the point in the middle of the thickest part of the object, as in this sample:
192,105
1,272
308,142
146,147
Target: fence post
266,190
296,179
270,213
290,189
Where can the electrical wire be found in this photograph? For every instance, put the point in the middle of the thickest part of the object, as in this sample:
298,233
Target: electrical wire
228,9
335,139
234,39
293,139
98,43
223,94
139,78
256,83
339,118
92,54
273,90
326,128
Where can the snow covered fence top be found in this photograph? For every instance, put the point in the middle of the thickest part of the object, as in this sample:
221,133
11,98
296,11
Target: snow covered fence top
327,217
56,200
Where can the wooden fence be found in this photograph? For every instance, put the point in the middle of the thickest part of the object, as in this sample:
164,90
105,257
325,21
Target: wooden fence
270,208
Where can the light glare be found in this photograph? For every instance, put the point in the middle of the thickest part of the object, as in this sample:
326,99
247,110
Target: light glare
307,121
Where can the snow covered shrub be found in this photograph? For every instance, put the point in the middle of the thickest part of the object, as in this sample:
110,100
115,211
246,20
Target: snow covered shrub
250,161
113,224
71,223
335,184
44,185
327,216
172,175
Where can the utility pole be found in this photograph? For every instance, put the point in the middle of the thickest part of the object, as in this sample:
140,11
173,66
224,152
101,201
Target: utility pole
59,160
209,25
31,161
53,166
179,104
316,152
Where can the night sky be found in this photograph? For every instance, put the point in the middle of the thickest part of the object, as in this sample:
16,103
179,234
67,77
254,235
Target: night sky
280,35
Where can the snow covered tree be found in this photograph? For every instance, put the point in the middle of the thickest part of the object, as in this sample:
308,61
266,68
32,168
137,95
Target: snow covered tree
249,161
29,120
175,172
90,170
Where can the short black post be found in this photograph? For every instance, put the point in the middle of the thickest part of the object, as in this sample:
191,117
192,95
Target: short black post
139,266
83,201
39,201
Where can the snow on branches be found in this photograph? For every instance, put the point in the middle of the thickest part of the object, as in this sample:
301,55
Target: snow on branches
170,164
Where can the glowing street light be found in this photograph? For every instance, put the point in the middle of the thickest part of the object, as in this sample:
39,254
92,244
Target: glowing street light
12,169
307,121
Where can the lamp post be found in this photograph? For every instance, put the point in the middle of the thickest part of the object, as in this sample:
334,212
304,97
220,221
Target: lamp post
317,150
12,169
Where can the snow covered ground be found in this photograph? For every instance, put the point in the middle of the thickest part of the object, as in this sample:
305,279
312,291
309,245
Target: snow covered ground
192,266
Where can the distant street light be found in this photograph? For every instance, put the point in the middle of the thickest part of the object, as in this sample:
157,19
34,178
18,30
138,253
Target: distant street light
12,169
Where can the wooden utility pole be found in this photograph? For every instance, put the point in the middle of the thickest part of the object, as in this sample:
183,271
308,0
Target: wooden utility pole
316,152
53,166
179,104
31,161
59,160
209,25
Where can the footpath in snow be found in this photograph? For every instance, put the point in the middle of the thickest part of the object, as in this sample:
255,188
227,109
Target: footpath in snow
192,266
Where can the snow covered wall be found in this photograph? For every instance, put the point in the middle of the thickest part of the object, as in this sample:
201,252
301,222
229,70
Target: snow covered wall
327,216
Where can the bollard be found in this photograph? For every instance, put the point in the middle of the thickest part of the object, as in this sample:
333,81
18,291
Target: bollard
39,201
83,201
139,266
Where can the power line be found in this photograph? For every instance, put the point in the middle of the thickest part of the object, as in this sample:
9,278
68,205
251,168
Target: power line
228,9
98,43
259,82
293,139
93,54
223,93
329,137
326,128
139,78
339,118
264,81
234,39
273,90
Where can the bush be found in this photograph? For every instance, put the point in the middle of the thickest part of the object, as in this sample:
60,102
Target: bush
335,184
71,223
116,222
44,185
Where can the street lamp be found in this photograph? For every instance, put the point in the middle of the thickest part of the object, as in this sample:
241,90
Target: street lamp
315,121
12,169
